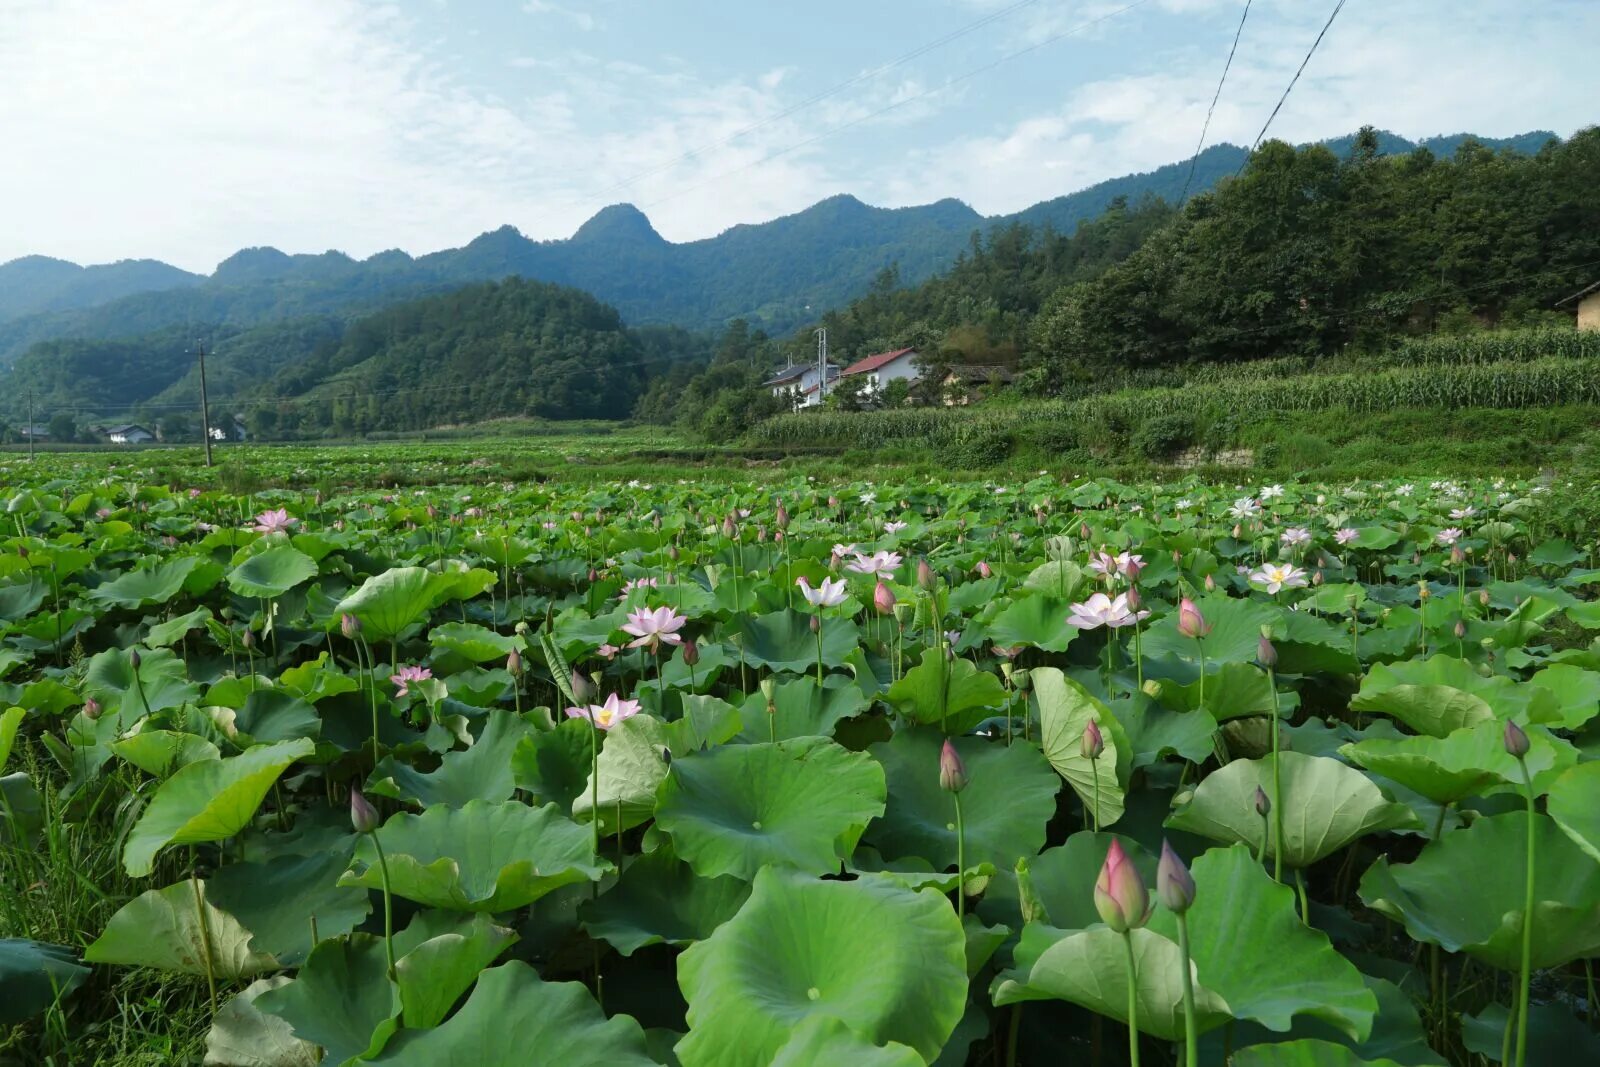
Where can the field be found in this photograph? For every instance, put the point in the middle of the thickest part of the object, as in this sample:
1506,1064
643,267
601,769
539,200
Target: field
613,751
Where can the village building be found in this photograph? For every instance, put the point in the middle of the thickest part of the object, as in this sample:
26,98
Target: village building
129,434
800,384
1587,304
966,383
876,372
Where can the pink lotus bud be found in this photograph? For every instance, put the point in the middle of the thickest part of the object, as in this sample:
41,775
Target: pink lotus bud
691,652
1093,743
729,529
22,551
816,624
1483,598
925,577
1457,557
514,663
1120,895
1263,802
1083,530
952,772
91,709
1190,622
1516,740
782,517
835,503
1266,655
984,570
1460,629
1211,584
433,512
1174,883
134,659
349,625
248,639
1134,599
363,816
883,599
582,690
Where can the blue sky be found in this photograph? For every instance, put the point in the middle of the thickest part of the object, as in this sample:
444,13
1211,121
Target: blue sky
185,129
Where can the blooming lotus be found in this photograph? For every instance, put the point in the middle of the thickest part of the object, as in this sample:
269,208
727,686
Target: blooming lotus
403,678
830,594
653,628
277,520
1346,535
879,565
893,527
1449,536
840,551
637,583
1245,508
1269,492
1463,513
1295,535
605,716
1101,610
1277,576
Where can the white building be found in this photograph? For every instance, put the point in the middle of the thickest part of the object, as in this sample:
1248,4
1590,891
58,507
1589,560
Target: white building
885,367
132,434
799,384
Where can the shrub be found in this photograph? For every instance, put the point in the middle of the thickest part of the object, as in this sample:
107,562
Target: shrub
1164,435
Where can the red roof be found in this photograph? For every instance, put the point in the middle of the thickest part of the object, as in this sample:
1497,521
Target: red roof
872,363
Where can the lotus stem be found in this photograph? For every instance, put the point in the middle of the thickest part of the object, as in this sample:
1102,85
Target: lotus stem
1191,1035
1277,785
1012,1035
388,909
205,940
1305,903
1525,973
1094,801
1133,1000
961,861
819,650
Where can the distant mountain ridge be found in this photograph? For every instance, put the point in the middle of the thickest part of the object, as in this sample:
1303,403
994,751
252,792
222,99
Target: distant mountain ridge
776,274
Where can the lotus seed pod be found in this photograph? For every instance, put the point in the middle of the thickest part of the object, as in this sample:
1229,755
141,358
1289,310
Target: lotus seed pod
1174,883
952,772
1151,688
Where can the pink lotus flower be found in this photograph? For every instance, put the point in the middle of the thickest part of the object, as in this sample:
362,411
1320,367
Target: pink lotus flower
893,527
653,628
1295,535
1276,576
1346,535
277,520
880,565
1120,895
605,716
1100,610
831,593
608,651
1449,536
193,493
637,583
403,678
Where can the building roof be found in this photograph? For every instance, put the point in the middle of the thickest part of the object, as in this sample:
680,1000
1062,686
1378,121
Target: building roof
872,363
125,429
1579,295
980,373
788,374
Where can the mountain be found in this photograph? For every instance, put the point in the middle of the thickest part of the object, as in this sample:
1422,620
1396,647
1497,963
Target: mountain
777,274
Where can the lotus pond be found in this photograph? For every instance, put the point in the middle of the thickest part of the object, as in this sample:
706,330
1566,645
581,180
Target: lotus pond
807,772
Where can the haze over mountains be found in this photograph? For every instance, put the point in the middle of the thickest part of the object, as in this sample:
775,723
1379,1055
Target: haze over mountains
107,337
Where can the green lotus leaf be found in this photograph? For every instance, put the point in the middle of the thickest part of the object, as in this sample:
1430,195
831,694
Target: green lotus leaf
659,899
34,976
1574,804
390,603
804,710
242,1035
271,715
824,1039
889,963
1058,578
1155,732
163,683
799,804
511,1015
952,693
479,857
783,641
341,999
476,643
1325,806
161,928
155,585
18,600
1468,762
207,801
439,957
1009,798
1465,893
1090,968
277,899
1063,878
632,768
1232,691
1577,692
483,772
168,633
1036,621
1251,948
10,719
1307,1052
1556,1037
272,572
1442,694
1235,631
1065,709
553,765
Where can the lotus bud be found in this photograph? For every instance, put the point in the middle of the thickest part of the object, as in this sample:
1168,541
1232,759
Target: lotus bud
761,531
1134,599
22,551
433,512
835,503
582,690
883,599
1266,655
1263,802
1083,530
691,652
1457,557
1092,743
925,577
1460,629
1120,895
1177,558
781,519
514,663
816,624
1190,622
363,816
729,530
983,569
1237,530
1033,909
1174,883
1483,598
672,553
594,575
349,625
1511,558
952,772
248,639
1516,740
1317,579
1211,584
91,709
133,659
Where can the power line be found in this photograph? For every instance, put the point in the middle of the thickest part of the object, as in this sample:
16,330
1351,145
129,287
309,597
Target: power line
1338,7
1206,126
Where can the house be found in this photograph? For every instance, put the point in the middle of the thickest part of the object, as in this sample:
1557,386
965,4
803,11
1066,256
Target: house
1587,303
800,384
130,434
878,371
965,382
231,429
34,433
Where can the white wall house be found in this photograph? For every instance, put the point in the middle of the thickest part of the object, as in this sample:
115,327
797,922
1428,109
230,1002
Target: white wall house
799,384
132,434
885,367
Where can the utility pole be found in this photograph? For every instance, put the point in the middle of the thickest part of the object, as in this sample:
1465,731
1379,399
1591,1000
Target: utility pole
31,434
822,364
205,407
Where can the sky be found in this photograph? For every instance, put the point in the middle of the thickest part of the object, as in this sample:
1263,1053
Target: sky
183,130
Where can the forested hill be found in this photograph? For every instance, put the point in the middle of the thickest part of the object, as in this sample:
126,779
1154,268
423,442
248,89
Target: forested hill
768,273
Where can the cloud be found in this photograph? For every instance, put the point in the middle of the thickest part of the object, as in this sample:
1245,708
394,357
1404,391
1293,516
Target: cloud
581,19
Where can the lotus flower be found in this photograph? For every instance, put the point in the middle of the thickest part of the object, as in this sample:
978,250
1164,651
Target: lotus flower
277,520
607,715
1449,536
1295,535
1245,508
1120,895
893,527
1276,576
831,593
1346,535
1101,610
653,628
1190,622
880,565
403,678
637,583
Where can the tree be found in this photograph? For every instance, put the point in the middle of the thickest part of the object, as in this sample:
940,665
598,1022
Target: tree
63,428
